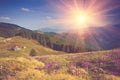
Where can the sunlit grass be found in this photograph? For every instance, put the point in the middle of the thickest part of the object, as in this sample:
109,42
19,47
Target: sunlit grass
102,65
6,47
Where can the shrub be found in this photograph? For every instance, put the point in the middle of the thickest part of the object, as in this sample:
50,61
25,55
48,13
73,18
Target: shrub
33,52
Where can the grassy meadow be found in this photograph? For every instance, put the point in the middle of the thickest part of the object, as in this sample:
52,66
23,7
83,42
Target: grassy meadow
24,47
46,64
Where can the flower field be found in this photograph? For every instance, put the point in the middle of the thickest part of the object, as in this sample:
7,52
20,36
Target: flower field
100,65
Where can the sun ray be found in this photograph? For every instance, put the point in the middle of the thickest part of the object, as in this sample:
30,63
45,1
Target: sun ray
80,16
94,13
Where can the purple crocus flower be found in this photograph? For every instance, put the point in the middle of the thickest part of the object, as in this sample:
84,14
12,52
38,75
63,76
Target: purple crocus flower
86,65
48,65
113,73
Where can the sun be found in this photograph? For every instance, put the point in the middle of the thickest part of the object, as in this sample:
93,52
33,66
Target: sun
85,18
77,14
81,19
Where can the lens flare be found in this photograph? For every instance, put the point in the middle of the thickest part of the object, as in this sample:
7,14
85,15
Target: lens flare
81,19
79,14
85,18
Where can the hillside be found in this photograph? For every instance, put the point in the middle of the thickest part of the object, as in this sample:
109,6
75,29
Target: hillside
10,30
99,38
18,46
93,39
99,65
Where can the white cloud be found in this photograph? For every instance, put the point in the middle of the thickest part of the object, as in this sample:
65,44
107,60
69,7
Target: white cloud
5,18
25,9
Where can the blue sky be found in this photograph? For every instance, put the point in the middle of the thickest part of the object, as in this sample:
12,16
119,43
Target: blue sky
36,14
26,13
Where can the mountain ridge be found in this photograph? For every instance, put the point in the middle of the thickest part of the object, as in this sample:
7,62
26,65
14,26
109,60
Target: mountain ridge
102,38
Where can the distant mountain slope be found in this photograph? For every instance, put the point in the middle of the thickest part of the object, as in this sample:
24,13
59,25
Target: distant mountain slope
18,46
9,30
94,38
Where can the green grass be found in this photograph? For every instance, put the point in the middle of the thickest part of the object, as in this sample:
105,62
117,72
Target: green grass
5,47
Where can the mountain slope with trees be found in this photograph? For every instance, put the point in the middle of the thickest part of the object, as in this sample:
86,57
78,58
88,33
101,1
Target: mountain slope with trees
22,47
101,38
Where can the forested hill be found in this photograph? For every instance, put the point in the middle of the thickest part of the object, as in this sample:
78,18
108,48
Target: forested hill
67,42
11,30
